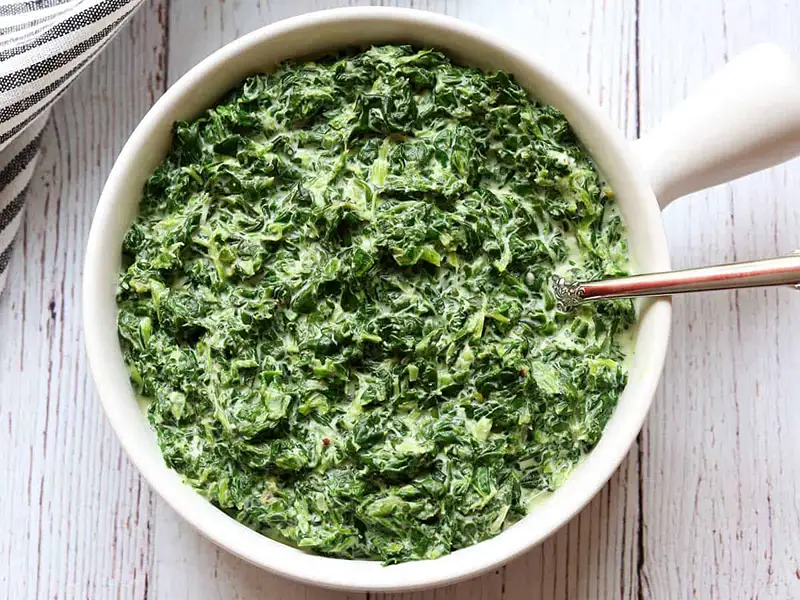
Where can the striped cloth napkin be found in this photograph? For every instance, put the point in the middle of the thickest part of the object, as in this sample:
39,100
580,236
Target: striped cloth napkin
44,45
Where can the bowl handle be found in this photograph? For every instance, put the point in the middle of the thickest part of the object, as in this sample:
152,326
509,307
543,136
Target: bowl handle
744,119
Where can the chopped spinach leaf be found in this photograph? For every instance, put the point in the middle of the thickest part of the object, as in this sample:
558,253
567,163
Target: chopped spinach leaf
336,300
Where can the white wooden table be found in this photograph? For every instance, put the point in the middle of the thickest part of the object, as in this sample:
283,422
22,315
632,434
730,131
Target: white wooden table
707,504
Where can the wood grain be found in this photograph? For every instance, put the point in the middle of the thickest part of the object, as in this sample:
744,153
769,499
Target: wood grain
707,506
720,457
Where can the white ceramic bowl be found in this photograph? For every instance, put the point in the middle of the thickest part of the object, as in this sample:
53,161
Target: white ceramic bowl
707,142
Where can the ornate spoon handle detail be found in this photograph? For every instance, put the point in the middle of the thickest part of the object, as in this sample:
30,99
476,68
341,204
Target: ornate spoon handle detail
757,273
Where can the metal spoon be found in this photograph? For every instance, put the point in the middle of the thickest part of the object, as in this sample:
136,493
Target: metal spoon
757,273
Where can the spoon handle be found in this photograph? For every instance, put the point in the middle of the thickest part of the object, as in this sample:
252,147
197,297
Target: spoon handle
757,273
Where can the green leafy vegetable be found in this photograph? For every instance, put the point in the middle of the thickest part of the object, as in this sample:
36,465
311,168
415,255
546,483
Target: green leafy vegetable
336,299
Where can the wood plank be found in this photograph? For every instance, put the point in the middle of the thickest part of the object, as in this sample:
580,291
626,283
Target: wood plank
720,457
77,515
592,43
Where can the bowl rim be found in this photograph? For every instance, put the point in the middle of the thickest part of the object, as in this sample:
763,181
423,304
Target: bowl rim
342,573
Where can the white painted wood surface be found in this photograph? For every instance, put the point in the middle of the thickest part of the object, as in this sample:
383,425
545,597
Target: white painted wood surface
706,506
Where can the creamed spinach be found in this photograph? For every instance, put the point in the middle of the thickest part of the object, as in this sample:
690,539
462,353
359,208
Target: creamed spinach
336,300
